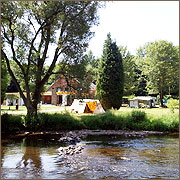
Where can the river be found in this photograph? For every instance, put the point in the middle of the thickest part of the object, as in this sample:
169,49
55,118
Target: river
102,157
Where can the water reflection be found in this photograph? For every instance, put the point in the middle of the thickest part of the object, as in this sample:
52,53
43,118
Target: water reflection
31,158
103,157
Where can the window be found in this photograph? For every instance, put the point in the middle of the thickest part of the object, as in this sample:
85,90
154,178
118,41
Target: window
66,89
58,89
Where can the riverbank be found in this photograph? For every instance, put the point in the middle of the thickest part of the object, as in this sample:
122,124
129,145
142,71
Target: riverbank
111,120
82,134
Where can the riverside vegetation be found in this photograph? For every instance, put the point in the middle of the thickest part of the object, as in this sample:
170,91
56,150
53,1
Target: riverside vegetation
111,120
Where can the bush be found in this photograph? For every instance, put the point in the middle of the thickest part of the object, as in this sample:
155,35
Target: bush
11,123
111,120
173,104
63,121
138,116
91,121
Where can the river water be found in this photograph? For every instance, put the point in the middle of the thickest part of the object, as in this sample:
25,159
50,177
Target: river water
102,157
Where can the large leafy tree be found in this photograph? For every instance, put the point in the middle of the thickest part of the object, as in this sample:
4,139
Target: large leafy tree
110,83
160,62
92,66
130,71
33,30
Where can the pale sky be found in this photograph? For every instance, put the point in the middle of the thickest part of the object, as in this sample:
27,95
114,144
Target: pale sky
134,23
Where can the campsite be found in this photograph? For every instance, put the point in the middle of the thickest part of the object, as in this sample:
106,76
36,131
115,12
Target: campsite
89,90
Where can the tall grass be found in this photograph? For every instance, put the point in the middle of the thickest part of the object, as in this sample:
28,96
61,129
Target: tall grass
111,120
134,120
61,121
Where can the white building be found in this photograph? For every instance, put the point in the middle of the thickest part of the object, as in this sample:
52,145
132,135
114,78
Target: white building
137,102
13,98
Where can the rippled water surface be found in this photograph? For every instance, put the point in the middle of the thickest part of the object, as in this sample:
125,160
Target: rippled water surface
102,157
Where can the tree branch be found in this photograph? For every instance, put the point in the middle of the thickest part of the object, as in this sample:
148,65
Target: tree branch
13,77
13,51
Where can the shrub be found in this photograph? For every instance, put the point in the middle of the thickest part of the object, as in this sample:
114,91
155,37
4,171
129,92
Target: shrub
173,104
11,123
111,120
168,122
138,116
92,121
63,121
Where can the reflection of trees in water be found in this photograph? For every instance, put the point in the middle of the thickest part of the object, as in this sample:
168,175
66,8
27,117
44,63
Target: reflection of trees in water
31,158
3,151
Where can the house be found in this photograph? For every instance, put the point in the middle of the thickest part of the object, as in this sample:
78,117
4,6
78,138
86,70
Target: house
59,93
62,93
13,98
142,101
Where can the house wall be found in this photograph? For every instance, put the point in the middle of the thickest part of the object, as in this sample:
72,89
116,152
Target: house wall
14,101
134,104
61,84
54,97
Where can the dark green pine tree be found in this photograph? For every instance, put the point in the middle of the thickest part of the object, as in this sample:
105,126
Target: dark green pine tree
110,82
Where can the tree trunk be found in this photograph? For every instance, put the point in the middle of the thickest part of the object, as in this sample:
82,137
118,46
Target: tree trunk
31,111
161,98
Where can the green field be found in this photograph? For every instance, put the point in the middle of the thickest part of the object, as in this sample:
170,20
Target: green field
150,111
56,109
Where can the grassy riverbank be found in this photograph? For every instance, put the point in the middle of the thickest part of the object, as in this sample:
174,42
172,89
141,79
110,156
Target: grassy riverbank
129,119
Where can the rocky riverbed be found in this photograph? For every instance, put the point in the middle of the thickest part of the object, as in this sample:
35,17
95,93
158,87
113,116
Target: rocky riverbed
79,134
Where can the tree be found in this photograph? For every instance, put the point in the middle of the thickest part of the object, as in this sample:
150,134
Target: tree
75,72
161,67
92,66
140,79
130,73
4,79
110,83
30,29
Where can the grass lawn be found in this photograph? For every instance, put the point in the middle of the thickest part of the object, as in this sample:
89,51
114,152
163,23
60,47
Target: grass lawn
12,108
150,111
23,108
55,109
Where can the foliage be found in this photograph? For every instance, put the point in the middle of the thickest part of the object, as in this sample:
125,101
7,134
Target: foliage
111,120
92,66
61,121
11,97
30,29
172,104
110,83
135,120
160,62
4,79
130,73
11,123
140,79
138,116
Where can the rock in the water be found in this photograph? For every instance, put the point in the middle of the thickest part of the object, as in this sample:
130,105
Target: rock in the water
70,150
70,138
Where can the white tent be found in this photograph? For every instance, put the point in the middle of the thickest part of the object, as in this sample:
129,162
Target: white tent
86,106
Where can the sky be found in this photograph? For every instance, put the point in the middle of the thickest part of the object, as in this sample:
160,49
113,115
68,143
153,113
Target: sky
134,23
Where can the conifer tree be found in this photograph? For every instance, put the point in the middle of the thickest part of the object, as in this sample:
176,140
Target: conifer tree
110,81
